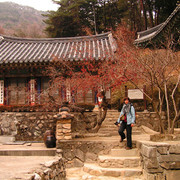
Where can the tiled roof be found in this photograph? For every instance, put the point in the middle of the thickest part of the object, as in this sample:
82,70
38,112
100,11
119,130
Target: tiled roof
152,33
26,50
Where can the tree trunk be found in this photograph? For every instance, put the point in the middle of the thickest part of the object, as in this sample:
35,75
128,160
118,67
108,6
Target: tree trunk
102,114
150,13
167,107
144,14
177,113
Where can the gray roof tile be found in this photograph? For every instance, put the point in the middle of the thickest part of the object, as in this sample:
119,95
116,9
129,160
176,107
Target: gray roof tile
26,50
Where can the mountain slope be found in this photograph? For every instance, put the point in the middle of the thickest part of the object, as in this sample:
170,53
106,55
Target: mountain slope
20,20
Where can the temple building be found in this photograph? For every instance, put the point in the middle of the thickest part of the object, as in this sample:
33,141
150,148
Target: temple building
22,59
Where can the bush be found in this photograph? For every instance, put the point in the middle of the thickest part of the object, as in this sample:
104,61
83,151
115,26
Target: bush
86,106
27,108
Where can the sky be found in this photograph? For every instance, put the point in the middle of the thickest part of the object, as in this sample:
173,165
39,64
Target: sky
42,5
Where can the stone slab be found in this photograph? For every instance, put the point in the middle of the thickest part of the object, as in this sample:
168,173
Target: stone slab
118,162
113,172
121,152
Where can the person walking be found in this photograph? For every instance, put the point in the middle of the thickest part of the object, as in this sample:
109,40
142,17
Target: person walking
126,121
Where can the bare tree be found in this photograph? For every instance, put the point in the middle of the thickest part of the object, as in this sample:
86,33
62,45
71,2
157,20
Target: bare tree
159,69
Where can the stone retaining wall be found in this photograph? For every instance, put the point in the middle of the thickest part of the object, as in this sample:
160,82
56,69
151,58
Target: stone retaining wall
149,119
53,170
160,161
76,152
32,125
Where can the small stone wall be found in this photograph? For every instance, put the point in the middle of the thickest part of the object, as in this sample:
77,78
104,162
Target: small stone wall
149,119
30,126
51,170
160,161
76,152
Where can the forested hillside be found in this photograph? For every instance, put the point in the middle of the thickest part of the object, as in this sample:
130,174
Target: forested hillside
22,21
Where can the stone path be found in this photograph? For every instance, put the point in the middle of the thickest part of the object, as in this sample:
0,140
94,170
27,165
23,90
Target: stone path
21,161
21,167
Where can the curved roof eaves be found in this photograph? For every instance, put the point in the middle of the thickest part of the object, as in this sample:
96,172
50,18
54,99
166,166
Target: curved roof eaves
51,40
160,28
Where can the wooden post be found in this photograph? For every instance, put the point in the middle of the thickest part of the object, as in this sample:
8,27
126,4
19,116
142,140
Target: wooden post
126,91
1,92
144,97
32,92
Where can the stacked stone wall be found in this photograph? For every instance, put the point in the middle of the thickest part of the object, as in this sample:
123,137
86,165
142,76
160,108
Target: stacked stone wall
53,170
149,119
30,126
77,152
160,161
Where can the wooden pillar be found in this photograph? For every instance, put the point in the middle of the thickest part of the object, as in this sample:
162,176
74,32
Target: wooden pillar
68,94
144,97
126,91
1,92
32,91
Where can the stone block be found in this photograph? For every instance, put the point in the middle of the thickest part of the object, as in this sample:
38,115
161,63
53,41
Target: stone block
149,151
163,150
66,126
64,121
67,137
170,165
78,163
59,133
151,163
154,170
174,149
169,158
90,157
66,130
80,155
172,175
59,137
152,176
59,126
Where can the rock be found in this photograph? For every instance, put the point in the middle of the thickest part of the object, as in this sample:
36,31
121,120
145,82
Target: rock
37,176
149,151
28,144
174,149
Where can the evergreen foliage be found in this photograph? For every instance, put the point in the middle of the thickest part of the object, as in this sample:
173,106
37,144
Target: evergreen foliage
84,17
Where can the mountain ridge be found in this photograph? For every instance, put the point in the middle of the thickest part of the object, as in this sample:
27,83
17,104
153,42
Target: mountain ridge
18,20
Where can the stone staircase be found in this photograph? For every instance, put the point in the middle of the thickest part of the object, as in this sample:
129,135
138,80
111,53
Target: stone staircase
109,129
119,163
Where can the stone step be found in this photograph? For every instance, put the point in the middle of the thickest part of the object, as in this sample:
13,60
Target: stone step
79,174
120,152
114,131
96,170
107,161
112,117
110,125
4,139
107,130
24,152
